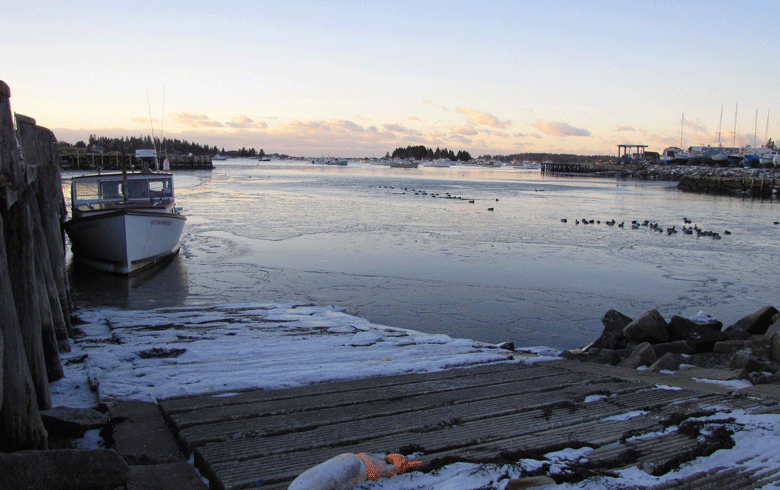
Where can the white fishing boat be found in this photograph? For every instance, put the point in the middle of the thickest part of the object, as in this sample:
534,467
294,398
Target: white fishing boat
670,155
440,163
124,222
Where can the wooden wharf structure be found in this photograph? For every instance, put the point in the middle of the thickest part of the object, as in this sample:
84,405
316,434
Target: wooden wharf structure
78,159
35,302
499,413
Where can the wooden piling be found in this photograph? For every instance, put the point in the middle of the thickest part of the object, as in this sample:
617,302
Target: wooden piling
34,297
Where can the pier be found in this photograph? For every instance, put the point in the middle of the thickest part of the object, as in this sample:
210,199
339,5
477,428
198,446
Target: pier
491,414
78,159
34,295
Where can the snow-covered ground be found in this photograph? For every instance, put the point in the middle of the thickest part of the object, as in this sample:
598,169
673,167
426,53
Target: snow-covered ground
149,355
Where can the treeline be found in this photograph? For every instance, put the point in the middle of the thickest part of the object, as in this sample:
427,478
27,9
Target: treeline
548,157
423,153
128,145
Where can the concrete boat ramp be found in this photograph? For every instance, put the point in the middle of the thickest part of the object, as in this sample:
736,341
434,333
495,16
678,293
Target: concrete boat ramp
498,413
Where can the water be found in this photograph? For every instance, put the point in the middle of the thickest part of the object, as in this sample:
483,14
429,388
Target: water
360,237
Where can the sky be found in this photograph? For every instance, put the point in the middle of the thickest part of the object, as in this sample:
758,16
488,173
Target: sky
361,78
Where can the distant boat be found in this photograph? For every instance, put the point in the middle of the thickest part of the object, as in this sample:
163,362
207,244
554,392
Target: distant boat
330,161
670,155
264,159
123,223
397,163
219,157
440,163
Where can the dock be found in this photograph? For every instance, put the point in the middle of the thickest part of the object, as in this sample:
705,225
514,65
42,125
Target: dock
79,159
497,413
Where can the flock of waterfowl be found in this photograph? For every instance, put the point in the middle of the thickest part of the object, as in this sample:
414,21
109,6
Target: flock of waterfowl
635,225
418,192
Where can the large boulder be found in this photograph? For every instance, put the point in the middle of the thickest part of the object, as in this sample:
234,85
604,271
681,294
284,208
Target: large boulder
642,355
612,337
702,336
676,347
63,469
667,362
756,323
72,422
650,327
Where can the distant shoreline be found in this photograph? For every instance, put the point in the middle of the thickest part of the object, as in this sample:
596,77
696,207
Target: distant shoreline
733,181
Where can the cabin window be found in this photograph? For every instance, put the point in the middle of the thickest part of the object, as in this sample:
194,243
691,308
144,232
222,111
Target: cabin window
160,188
137,189
111,190
86,191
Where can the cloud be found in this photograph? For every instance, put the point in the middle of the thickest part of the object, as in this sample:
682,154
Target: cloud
696,126
143,120
625,128
478,117
559,129
399,128
243,122
195,120
430,103
414,118
465,130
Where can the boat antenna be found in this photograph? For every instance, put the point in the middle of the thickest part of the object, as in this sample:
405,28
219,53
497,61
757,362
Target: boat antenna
766,129
755,130
162,121
151,122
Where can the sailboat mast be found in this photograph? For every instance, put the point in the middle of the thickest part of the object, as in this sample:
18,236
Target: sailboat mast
755,130
682,122
734,143
720,124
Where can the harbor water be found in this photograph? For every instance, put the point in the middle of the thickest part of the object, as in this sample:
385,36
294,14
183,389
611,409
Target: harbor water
472,252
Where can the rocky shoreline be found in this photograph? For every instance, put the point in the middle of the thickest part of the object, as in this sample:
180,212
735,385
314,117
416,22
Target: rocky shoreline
735,181
699,347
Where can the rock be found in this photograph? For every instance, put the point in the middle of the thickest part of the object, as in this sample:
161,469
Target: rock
775,355
714,374
63,469
603,356
72,422
529,482
676,347
667,362
703,337
171,476
736,334
573,355
131,418
612,336
756,323
728,346
747,360
643,355
650,327
507,346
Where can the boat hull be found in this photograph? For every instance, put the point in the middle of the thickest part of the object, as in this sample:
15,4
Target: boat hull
125,241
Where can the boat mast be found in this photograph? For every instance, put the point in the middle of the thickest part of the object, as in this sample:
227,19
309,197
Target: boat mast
720,124
682,121
154,144
766,129
734,143
755,130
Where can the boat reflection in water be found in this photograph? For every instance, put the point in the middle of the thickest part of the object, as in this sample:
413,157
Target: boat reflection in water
140,291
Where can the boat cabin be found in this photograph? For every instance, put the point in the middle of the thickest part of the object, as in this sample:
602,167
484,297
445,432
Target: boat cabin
107,192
